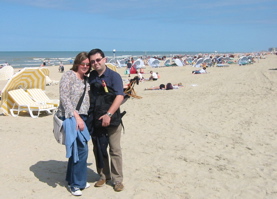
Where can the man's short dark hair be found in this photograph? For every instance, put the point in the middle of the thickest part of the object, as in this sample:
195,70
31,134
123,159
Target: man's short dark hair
95,51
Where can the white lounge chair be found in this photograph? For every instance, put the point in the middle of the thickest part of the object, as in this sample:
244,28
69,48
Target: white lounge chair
40,96
23,102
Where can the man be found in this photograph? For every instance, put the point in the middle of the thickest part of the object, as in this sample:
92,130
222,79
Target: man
103,76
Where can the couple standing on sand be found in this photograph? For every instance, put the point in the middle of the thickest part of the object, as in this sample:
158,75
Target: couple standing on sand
76,83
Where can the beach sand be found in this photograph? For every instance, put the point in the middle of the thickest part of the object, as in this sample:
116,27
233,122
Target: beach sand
213,138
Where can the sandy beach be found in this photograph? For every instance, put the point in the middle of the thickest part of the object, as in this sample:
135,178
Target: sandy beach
214,138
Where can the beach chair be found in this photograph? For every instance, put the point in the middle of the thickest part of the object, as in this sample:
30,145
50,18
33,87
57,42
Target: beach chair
130,91
23,102
40,96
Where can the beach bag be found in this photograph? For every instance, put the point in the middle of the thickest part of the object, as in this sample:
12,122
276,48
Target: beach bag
102,104
58,130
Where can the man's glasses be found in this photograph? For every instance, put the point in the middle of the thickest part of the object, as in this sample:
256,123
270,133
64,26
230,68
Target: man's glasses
97,60
85,64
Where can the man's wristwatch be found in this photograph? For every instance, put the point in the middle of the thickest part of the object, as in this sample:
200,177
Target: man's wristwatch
109,114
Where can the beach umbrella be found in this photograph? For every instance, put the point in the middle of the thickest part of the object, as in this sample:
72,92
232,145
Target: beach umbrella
26,78
111,66
45,70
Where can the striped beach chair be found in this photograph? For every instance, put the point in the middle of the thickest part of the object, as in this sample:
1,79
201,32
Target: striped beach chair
40,96
23,102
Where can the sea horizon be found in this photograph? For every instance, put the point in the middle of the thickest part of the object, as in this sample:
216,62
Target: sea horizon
20,59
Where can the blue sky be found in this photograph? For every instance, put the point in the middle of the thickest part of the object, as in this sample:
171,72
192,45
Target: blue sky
138,25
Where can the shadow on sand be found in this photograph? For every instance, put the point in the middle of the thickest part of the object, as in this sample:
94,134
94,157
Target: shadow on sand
53,172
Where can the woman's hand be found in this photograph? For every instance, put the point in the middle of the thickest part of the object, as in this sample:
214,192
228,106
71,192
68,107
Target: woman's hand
80,124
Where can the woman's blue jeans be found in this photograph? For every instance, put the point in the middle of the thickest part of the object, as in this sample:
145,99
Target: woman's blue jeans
76,174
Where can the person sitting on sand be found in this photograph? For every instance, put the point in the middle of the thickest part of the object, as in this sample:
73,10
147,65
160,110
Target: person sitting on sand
153,76
158,75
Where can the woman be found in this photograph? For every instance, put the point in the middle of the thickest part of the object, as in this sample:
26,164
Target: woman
73,86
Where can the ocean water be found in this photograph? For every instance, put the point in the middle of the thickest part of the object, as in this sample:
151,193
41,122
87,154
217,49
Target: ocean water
19,59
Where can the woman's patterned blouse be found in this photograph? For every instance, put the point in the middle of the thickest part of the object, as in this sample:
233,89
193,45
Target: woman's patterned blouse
71,90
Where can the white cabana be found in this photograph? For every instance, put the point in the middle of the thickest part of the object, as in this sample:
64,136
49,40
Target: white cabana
6,72
243,60
198,63
178,62
187,60
208,61
168,62
154,63
138,64
121,63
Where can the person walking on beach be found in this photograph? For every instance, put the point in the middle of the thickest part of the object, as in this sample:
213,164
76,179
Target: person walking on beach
129,66
73,108
103,78
61,68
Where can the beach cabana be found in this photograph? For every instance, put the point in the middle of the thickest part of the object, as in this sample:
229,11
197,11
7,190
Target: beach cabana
168,62
189,60
154,63
112,61
121,63
208,61
6,72
138,64
243,60
178,62
198,62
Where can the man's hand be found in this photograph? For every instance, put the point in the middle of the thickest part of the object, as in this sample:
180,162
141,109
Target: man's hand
105,120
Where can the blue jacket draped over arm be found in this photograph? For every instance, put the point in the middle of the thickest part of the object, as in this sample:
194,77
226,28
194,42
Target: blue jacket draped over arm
71,136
